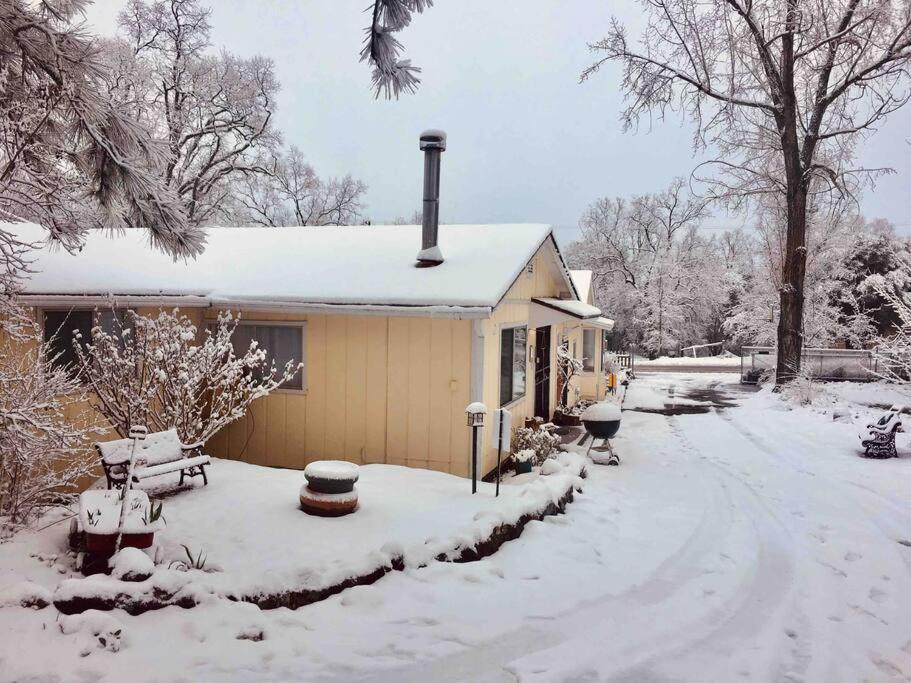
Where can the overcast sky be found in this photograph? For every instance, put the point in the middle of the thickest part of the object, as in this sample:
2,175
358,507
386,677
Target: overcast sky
527,142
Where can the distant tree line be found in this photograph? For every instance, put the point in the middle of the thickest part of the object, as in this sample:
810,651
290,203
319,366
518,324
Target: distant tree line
670,284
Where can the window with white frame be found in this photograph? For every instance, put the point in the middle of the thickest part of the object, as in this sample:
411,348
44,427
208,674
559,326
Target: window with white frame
588,350
513,345
282,342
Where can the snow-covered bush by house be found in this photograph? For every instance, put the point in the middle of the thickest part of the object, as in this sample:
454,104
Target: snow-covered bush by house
155,371
568,367
539,441
525,455
43,431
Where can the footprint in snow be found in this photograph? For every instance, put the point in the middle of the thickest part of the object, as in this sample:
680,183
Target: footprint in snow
878,595
887,667
851,556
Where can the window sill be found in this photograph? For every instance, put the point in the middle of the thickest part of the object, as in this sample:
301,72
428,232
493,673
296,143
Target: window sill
513,402
292,392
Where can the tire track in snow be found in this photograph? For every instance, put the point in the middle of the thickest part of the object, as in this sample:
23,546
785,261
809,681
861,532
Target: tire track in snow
643,602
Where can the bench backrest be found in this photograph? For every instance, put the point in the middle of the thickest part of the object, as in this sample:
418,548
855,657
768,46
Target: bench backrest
155,449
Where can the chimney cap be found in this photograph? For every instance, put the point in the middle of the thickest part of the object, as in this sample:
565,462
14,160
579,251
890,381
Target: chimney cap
433,139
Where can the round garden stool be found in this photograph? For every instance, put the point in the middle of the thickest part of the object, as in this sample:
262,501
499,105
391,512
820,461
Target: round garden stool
329,491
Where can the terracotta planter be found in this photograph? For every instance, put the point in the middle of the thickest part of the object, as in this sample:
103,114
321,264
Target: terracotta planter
324,504
103,544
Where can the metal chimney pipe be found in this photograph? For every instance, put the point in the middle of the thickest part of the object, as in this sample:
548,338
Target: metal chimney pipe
433,143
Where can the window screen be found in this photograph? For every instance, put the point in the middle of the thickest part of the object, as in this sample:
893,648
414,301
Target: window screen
282,343
59,328
588,350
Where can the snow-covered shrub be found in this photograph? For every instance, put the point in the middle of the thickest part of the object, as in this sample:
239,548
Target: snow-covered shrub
131,564
525,455
93,630
541,442
154,371
803,389
43,429
25,594
569,367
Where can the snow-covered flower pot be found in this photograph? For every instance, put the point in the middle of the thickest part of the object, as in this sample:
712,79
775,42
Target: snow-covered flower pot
99,515
565,418
331,476
602,420
524,460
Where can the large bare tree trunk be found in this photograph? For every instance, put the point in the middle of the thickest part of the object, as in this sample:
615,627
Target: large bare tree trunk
793,270
790,321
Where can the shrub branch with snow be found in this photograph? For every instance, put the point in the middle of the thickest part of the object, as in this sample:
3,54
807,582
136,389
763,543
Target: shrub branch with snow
155,371
43,432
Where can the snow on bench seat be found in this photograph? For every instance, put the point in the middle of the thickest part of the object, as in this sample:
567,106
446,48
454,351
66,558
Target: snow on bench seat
176,466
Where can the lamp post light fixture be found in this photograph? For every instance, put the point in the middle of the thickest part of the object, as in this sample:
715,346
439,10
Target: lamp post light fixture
475,413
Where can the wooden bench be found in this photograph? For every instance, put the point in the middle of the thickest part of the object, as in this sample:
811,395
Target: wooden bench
879,442
157,454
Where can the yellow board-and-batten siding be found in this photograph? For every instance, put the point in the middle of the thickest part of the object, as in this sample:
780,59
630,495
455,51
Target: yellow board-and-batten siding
378,389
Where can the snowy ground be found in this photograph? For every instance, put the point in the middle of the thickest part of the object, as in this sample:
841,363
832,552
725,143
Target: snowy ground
682,362
746,541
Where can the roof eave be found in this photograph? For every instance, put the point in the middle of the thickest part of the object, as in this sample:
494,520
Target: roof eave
196,301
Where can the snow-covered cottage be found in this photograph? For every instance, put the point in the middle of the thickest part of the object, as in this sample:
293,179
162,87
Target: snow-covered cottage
392,353
393,350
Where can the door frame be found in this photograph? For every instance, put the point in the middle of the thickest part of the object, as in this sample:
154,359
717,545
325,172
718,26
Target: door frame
543,346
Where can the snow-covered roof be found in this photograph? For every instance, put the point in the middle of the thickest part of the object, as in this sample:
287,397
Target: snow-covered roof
577,309
582,279
355,265
601,322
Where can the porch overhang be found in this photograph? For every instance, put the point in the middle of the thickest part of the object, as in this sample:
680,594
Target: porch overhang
601,323
546,311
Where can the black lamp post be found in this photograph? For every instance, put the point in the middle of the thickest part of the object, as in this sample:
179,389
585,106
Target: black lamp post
475,413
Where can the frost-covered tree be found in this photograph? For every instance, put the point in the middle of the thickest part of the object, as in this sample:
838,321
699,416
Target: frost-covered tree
392,75
650,265
70,158
212,111
156,371
783,91
568,368
43,432
876,255
291,193
894,346
832,308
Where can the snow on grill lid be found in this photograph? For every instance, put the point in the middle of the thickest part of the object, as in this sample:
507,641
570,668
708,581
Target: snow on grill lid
601,412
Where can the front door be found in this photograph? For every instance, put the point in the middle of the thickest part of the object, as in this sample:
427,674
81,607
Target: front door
542,372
